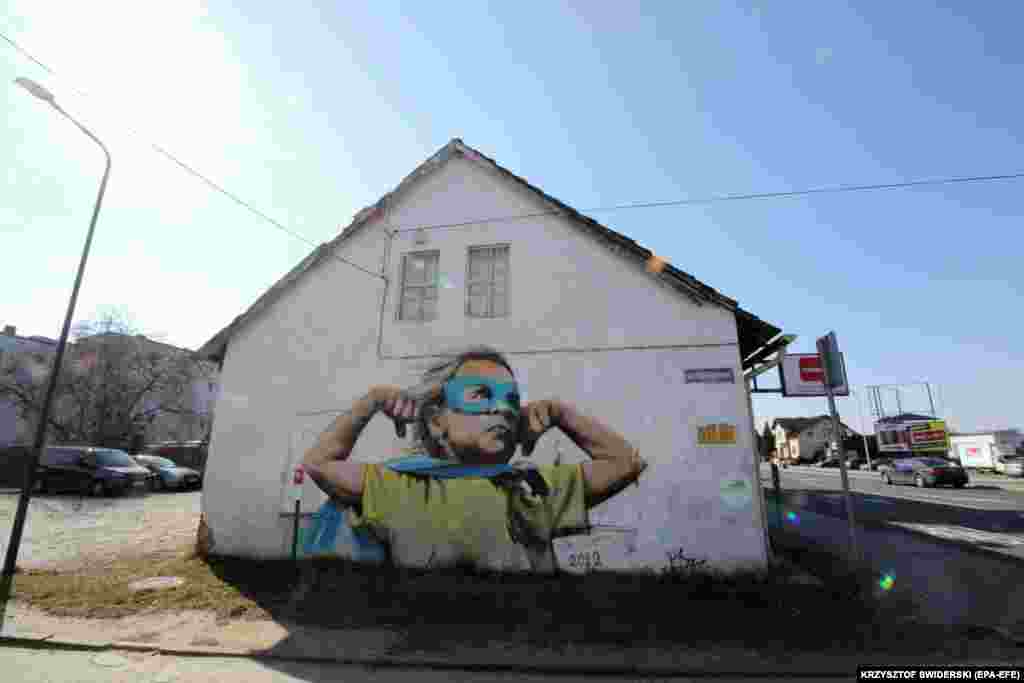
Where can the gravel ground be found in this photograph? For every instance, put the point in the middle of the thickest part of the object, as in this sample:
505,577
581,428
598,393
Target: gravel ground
74,532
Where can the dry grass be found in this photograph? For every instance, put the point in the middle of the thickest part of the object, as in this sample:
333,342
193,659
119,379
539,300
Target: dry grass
754,609
103,592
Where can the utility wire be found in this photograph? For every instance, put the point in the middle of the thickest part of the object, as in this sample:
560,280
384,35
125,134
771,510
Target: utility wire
599,209
241,202
732,198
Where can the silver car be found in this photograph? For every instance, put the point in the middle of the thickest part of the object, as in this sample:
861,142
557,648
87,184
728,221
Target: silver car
168,475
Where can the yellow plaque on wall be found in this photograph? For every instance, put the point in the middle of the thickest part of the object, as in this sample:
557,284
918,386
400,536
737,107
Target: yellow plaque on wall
716,434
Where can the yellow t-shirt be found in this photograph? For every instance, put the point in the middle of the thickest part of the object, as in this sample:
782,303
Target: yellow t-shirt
472,521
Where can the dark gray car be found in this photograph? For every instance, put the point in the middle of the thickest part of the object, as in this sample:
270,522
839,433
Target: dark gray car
924,472
86,470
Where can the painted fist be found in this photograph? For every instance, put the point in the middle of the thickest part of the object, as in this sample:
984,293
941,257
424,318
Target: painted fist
535,419
401,407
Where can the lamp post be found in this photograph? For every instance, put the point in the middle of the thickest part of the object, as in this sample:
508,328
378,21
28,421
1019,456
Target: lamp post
44,415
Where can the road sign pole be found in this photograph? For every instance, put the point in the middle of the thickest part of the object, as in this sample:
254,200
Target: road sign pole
847,499
828,349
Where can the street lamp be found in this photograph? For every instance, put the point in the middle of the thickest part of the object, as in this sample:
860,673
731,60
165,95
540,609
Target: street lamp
40,436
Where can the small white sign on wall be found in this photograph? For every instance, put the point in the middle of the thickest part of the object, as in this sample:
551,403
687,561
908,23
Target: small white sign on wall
710,376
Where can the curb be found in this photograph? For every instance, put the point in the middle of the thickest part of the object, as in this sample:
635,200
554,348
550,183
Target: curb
564,667
412,661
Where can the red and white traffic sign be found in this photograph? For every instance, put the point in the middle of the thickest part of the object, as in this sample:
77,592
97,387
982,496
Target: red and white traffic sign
803,375
811,370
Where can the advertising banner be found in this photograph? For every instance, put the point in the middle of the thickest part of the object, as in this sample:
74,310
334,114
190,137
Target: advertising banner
929,436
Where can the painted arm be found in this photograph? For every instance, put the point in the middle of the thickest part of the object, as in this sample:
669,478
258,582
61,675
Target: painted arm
614,462
327,461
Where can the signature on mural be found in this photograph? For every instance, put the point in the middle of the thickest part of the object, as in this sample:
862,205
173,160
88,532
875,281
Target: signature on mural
679,562
455,499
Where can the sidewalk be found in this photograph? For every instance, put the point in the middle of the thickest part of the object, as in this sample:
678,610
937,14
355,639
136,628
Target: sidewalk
200,634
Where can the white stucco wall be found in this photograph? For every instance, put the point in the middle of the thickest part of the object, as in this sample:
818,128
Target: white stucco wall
585,325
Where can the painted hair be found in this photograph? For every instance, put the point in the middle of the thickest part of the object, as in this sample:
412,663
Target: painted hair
438,373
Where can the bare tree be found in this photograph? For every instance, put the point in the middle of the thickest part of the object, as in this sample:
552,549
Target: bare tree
114,384
767,441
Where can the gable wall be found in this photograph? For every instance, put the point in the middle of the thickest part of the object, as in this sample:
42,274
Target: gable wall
574,305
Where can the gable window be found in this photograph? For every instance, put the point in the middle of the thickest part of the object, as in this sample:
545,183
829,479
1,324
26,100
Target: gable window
419,286
487,282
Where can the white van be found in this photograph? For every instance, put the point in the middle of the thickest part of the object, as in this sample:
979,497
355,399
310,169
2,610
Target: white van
986,450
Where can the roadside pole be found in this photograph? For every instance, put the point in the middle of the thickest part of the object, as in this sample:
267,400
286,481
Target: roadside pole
777,486
863,434
298,477
831,363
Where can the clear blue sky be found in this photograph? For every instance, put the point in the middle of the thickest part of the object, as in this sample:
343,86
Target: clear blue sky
313,112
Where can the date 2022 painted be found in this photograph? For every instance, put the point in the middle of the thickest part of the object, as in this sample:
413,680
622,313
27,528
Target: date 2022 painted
585,560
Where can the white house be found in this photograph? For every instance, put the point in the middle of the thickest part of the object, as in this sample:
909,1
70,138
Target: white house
804,438
462,252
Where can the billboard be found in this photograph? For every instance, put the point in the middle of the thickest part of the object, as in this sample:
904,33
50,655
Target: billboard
802,374
912,436
928,436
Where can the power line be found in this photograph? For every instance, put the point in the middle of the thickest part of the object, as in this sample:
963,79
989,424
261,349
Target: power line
238,200
599,209
734,197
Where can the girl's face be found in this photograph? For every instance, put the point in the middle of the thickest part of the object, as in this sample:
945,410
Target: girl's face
481,438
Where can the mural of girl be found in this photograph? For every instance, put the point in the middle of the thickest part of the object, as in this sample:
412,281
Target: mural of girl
456,499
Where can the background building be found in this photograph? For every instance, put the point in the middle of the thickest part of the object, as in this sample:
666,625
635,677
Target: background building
177,391
14,429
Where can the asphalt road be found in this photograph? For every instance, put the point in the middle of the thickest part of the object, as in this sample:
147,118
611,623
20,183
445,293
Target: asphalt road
981,515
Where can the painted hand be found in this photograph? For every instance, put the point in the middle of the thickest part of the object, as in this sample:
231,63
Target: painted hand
536,418
401,407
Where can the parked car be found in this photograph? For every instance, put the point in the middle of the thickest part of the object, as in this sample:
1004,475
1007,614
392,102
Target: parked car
87,470
924,472
852,463
876,464
191,454
168,475
1010,465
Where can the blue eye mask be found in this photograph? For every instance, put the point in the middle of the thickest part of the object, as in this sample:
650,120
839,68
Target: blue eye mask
475,395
